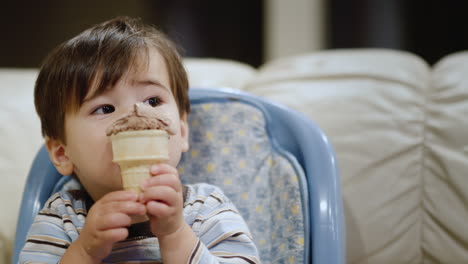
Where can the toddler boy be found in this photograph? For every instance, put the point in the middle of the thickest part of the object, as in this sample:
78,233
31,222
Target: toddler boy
84,85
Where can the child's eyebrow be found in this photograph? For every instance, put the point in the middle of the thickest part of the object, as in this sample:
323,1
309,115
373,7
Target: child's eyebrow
91,97
147,82
144,82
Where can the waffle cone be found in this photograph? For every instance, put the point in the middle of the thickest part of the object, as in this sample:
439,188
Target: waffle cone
135,152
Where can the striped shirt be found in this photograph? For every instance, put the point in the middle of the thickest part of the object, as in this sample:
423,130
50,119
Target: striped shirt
223,235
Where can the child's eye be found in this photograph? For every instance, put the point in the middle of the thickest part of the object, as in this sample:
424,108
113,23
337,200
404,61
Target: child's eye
105,109
154,101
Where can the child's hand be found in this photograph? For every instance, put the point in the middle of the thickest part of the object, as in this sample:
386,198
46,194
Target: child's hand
163,197
107,221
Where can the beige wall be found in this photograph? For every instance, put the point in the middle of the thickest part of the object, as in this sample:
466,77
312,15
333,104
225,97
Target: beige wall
293,27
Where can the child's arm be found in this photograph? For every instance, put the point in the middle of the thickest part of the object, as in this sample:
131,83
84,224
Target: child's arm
223,234
163,196
220,225
54,233
105,225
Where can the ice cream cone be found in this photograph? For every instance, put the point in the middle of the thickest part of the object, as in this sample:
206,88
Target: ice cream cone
135,151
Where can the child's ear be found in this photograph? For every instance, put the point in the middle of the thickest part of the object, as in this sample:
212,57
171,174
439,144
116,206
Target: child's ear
58,156
184,133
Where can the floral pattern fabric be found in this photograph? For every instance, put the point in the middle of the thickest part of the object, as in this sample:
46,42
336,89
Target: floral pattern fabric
230,147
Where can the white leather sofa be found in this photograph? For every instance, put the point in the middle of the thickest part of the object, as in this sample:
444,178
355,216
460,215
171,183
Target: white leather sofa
399,128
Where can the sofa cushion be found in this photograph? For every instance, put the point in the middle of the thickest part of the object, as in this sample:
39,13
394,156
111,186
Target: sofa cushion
445,235
21,138
371,105
3,255
218,73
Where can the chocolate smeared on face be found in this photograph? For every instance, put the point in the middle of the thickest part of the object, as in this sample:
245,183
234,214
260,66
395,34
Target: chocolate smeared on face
142,117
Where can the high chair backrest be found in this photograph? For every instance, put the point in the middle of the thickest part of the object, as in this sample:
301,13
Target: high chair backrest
276,166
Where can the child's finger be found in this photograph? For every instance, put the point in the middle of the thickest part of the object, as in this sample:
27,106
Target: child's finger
159,209
114,235
169,180
113,221
162,168
163,194
119,196
126,207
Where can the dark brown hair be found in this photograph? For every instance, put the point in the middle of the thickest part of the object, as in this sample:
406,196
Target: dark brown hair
99,57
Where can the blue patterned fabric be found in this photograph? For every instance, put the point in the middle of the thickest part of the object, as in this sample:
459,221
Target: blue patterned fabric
230,147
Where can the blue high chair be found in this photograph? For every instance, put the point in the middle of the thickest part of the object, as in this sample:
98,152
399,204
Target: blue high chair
275,164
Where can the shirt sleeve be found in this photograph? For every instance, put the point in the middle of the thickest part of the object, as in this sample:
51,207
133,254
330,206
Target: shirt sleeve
223,234
51,233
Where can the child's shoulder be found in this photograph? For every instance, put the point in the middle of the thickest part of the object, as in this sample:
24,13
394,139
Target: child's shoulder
206,203
67,202
206,194
69,192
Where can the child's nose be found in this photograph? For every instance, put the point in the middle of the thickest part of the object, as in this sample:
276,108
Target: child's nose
129,107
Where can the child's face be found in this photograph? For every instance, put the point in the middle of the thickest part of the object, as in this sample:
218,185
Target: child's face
89,149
